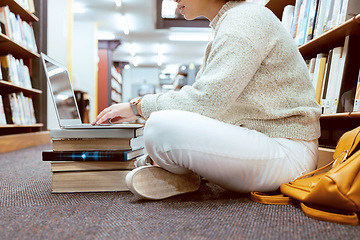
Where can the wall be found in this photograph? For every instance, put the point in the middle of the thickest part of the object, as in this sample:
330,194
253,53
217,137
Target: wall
84,61
74,45
57,44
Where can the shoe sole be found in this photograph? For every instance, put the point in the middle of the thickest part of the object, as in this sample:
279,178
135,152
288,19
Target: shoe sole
155,183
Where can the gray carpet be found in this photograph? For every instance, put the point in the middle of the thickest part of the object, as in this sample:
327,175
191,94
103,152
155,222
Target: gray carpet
28,210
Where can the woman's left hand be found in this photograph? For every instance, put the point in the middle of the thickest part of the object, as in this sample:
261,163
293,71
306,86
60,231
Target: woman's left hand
116,113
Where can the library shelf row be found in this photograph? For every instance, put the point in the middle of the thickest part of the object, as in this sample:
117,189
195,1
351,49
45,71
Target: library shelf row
15,136
6,86
16,7
8,46
23,140
331,39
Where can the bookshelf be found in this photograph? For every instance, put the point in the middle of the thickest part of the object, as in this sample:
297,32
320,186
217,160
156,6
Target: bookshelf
332,125
18,136
109,78
116,85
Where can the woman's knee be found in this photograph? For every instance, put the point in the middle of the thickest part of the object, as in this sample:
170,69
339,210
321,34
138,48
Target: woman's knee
163,126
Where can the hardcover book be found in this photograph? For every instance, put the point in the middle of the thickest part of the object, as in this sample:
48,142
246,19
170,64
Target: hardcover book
96,133
93,144
116,155
90,181
76,166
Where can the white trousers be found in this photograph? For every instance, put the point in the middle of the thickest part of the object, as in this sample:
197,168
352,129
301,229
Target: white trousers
230,156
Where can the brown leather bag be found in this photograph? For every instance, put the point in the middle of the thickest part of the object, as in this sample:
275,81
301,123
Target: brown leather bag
332,196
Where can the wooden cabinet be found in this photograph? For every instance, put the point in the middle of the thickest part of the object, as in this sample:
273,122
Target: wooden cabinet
17,136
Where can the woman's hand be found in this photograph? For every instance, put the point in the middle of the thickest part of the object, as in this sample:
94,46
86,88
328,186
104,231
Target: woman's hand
116,113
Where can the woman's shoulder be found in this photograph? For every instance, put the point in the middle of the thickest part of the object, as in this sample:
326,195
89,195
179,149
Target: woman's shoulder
245,17
248,11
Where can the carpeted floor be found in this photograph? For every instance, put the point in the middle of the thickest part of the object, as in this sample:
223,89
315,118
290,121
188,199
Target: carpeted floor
28,210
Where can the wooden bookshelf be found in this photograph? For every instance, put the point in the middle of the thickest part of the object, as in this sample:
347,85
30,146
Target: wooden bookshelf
6,87
24,140
331,39
277,6
332,125
15,7
8,46
15,136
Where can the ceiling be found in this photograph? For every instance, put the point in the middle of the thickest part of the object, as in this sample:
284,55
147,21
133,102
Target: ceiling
143,37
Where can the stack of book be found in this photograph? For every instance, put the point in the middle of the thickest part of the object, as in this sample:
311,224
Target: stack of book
93,160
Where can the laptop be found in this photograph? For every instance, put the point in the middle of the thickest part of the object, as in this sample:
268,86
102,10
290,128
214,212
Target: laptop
64,100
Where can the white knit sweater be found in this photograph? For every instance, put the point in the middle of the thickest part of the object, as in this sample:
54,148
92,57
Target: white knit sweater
252,76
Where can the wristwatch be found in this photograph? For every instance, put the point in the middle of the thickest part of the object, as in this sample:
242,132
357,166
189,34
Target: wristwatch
133,103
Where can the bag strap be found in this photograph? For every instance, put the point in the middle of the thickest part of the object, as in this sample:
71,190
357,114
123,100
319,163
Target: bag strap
271,198
349,219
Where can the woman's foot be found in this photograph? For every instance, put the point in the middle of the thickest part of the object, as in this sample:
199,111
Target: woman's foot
155,183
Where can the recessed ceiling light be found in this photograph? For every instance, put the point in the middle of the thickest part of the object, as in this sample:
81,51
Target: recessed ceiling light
118,3
125,25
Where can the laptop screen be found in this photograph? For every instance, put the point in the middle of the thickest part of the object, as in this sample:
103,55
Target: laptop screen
62,92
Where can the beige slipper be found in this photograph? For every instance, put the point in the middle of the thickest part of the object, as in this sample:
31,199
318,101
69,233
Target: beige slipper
155,183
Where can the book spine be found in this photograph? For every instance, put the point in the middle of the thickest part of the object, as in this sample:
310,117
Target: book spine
2,112
86,156
95,133
357,95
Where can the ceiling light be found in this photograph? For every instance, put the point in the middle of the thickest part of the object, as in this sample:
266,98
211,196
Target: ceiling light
132,49
191,37
125,25
135,61
160,60
118,3
160,57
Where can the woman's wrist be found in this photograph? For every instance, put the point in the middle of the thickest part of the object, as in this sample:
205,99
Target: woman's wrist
138,107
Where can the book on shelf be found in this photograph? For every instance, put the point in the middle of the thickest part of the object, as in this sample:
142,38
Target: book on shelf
310,25
318,76
19,31
357,95
103,155
287,16
3,25
15,71
2,112
302,22
295,17
311,18
28,5
350,74
97,133
76,166
333,15
5,12
89,181
323,102
5,67
93,144
18,109
333,80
